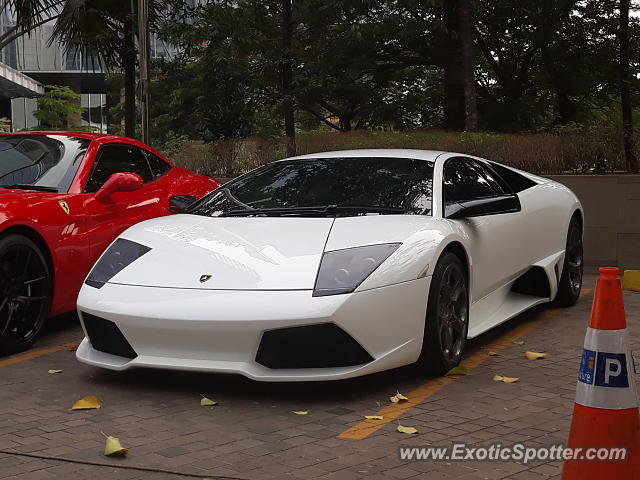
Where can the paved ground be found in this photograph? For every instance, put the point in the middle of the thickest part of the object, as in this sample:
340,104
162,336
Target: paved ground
253,433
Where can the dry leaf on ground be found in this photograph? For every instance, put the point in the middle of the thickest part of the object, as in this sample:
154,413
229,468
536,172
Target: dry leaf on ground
86,403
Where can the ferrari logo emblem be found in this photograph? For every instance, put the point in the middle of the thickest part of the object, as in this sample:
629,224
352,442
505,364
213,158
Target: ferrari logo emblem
64,206
204,278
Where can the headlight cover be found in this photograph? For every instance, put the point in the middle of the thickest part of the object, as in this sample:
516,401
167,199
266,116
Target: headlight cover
118,256
341,271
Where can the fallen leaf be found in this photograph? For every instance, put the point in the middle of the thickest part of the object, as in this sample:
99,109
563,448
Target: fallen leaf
500,378
301,412
519,342
457,371
112,447
207,402
409,430
398,398
86,403
534,355
493,354
54,371
373,417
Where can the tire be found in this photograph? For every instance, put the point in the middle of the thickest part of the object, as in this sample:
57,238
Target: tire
25,293
447,319
570,282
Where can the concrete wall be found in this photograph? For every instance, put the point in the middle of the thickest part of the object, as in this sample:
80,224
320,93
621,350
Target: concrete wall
612,217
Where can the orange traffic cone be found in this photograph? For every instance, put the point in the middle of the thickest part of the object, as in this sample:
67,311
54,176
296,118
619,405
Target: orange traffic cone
606,408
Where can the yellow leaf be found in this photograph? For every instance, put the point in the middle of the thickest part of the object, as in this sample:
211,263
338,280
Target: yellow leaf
86,403
534,355
301,412
500,378
54,371
373,417
398,398
207,402
112,447
409,430
519,342
457,371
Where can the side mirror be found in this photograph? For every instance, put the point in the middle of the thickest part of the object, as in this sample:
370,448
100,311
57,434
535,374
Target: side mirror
119,182
179,203
483,206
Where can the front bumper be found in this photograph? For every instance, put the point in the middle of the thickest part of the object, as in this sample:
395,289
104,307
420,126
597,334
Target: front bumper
222,330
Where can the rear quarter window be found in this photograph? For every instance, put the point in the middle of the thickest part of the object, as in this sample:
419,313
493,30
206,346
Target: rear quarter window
516,181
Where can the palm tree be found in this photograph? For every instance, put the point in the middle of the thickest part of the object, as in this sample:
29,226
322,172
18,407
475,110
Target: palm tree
103,30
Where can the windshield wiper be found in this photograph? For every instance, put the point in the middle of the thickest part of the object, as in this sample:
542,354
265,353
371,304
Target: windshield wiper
241,212
318,210
40,188
369,209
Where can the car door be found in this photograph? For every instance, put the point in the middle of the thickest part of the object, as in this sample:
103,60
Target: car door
107,219
495,240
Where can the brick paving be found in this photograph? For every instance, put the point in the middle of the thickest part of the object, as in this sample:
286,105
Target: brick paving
253,435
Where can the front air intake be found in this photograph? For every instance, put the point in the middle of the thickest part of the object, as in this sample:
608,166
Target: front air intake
313,346
106,337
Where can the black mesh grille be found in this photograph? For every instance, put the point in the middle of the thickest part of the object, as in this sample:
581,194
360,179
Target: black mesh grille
313,346
106,337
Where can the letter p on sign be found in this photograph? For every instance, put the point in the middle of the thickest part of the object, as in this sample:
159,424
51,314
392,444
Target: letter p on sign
611,370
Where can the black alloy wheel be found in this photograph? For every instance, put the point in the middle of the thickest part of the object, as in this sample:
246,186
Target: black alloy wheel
447,320
25,293
570,283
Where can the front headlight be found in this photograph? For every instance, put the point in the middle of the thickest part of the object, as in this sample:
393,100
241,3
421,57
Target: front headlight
341,271
120,254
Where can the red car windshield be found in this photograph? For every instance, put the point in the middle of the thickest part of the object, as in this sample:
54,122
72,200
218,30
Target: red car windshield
40,162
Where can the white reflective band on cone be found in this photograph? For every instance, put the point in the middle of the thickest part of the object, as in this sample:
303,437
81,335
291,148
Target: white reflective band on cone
606,372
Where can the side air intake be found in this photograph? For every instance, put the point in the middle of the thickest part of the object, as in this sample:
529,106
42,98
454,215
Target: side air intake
533,282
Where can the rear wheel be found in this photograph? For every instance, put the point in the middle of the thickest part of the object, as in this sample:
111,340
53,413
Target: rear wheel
25,293
447,320
570,282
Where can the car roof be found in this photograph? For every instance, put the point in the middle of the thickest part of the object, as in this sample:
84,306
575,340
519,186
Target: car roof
87,135
429,155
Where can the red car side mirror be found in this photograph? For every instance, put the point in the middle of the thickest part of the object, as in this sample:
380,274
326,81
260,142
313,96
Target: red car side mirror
119,182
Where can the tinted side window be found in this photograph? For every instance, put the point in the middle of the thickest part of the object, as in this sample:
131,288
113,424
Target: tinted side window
516,181
114,159
158,166
464,181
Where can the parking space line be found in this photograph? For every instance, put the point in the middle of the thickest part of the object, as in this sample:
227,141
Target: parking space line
38,353
391,412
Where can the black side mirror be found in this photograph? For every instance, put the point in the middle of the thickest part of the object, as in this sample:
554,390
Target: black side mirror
483,206
179,203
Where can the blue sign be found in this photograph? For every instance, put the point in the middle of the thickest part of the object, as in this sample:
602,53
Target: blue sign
611,370
587,366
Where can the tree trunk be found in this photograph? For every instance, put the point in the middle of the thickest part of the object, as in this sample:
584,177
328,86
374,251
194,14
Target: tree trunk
454,104
467,50
631,160
129,69
287,77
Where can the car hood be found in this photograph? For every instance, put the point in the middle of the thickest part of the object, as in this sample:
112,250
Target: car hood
266,253
237,253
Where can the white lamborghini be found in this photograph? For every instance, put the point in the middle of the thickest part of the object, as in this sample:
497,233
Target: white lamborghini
334,265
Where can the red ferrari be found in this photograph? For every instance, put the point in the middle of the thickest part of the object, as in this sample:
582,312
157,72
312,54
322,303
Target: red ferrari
64,197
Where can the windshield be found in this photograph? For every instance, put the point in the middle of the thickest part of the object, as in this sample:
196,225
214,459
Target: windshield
317,186
45,162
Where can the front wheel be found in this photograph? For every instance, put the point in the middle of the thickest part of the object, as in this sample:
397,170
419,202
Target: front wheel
447,320
25,293
570,282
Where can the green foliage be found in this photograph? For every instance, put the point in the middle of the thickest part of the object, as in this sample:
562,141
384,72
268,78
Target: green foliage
59,109
5,124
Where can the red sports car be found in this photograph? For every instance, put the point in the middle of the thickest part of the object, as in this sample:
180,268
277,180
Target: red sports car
64,196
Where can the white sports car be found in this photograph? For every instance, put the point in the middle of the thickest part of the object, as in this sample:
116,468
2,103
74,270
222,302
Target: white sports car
334,265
